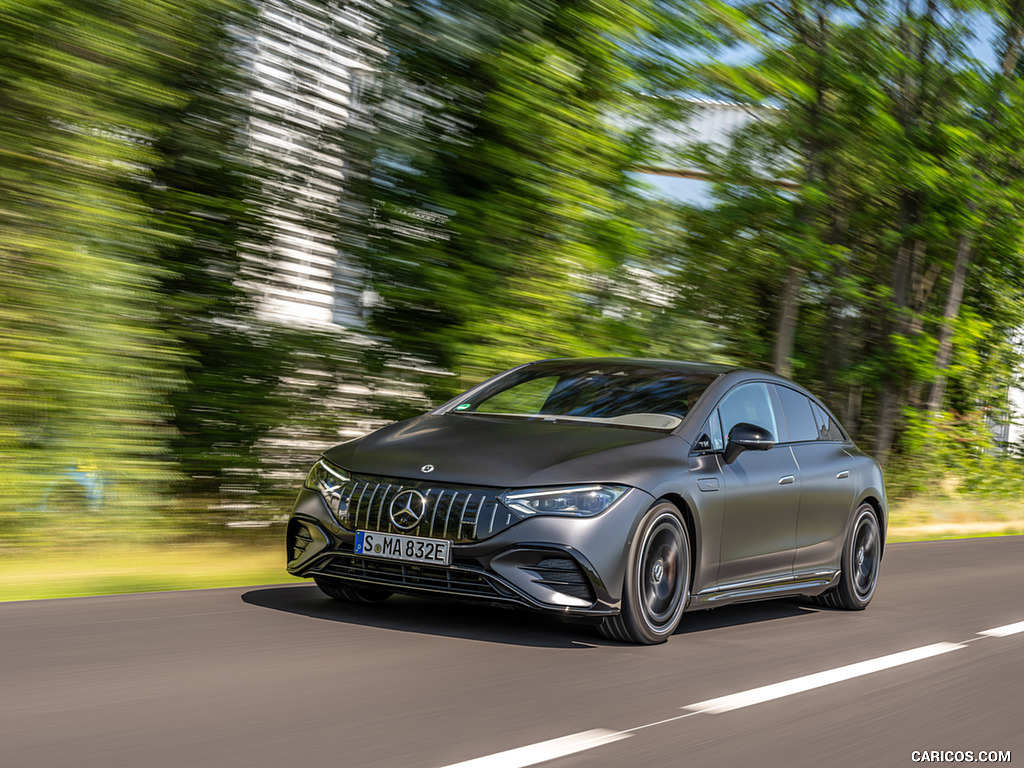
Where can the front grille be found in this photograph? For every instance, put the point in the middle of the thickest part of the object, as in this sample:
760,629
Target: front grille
563,574
462,514
416,577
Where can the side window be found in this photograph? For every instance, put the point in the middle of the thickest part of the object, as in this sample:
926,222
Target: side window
828,429
711,436
715,423
749,403
803,427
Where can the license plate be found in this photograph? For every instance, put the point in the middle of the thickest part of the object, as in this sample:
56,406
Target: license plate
411,549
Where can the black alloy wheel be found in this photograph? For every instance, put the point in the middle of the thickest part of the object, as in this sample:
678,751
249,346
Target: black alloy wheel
862,554
657,580
350,593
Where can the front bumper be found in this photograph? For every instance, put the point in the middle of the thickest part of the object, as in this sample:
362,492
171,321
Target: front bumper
564,565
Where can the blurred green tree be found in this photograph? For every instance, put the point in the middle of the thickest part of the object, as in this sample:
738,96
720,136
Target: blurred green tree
207,188
897,151
490,200
135,368
86,366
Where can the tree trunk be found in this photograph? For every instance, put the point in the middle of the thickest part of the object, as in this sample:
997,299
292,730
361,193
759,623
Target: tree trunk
953,301
851,410
894,388
885,428
786,328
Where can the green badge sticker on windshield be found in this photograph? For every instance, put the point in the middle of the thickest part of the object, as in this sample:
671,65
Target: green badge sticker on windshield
462,406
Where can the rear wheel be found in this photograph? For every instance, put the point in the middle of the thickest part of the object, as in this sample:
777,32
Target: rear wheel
862,554
350,593
657,580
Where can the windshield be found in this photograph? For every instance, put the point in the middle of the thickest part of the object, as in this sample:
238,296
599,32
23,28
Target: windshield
623,394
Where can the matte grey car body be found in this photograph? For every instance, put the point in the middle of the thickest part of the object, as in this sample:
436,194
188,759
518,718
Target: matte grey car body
740,486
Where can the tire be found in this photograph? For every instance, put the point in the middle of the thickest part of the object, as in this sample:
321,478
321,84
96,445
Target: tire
862,553
350,593
657,582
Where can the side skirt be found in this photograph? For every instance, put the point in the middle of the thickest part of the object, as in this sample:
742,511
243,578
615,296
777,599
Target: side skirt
804,585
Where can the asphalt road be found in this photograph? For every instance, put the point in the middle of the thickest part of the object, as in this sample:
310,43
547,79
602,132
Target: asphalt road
281,676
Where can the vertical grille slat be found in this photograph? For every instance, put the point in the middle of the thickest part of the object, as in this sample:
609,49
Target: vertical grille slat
359,505
448,513
439,506
348,497
432,508
476,520
353,503
369,504
462,515
456,513
384,509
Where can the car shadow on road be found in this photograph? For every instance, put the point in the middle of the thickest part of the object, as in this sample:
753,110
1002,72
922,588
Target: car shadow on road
490,624
747,613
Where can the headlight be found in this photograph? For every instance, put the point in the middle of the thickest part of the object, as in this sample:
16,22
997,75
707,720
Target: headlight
329,481
580,501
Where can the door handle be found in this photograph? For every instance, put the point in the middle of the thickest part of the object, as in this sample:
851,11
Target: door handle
787,480
845,473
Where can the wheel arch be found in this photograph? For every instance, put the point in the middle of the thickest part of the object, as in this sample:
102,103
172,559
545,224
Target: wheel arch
880,516
691,528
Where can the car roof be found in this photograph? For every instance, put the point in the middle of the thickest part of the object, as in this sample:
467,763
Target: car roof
678,365
723,375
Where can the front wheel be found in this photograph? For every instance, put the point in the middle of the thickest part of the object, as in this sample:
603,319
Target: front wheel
862,553
657,580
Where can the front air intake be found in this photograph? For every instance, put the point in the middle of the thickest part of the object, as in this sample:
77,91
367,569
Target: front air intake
563,574
298,539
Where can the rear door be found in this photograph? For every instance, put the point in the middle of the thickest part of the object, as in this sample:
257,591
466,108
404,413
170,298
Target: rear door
827,492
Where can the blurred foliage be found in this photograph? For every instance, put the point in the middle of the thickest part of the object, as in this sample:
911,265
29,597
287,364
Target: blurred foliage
86,366
137,378
950,455
489,194
865,236
206,190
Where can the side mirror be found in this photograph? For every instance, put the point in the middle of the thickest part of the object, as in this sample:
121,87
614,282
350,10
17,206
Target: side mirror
747,437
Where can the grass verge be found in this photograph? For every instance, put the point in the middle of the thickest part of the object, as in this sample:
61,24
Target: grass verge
927,519
28,575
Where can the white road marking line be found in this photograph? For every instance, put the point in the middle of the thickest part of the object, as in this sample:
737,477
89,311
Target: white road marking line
1009,629
579,742
545,750
659,722
819,679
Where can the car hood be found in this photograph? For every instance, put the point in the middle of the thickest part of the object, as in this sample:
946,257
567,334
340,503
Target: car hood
510,453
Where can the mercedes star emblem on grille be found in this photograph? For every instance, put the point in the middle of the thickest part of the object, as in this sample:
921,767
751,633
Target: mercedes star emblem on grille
407,510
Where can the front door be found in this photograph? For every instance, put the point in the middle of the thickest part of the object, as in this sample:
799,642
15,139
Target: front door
762,497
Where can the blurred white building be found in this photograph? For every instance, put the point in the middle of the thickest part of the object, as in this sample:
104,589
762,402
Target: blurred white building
304,73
